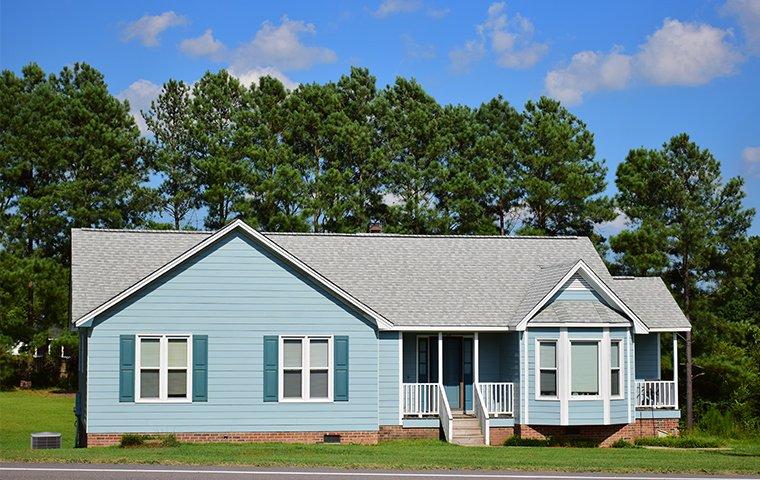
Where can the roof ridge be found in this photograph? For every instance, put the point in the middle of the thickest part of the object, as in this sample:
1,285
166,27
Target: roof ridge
139,230
418,235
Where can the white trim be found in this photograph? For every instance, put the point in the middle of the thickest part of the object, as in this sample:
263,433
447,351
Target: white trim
446,328
629,377
605,377
577,325
670,329
400,377
163,367
440,359
563,380
599,286
476,360
621,362
305,369
599,365
381,322
525,385
675,366
537,346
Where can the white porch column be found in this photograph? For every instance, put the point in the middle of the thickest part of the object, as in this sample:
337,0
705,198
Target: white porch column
675,366
440,357
476,360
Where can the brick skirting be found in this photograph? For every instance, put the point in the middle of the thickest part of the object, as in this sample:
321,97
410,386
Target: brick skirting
397,432
605,435
499,435
362,437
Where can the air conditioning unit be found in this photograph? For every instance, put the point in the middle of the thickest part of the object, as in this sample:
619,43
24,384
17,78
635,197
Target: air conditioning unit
44,440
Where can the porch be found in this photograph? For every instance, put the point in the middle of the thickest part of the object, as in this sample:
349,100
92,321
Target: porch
653,392
465,380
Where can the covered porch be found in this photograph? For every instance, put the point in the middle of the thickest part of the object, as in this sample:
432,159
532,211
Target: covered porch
459,375
653,392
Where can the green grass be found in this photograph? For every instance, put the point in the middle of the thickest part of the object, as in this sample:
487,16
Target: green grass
24,412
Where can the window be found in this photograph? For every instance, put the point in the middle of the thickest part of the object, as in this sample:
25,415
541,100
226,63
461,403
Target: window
615,377
584,364
163,372
547,354
306,370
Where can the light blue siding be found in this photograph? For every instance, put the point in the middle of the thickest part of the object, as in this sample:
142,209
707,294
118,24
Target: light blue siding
647,359
502,422
644,414
428,422
619,408
585,412
388,381
540,412
235,292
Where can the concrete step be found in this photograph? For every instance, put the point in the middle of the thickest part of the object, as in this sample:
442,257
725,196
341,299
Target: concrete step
475,430
468,440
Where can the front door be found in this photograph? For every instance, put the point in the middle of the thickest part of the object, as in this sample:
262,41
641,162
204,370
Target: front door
457,372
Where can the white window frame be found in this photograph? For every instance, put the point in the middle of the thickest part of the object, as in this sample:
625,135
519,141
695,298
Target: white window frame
305,369
163,368
599,395
621,382
538,368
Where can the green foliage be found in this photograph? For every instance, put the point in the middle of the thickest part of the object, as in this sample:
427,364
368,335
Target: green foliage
678,442
170,441
518,441
131,440
623,444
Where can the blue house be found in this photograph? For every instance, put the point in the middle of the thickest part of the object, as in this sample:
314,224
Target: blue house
239,335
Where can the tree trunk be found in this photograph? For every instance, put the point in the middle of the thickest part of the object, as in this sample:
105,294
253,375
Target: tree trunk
689,392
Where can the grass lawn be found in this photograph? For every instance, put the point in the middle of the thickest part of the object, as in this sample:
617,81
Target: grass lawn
22,412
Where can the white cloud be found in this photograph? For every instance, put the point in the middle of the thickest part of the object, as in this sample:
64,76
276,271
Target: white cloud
247,77
510,40
684,53
747,13
588,72
751,157
678,53
140,94
417,51
204,46
393,7
614,226
148,27
280,47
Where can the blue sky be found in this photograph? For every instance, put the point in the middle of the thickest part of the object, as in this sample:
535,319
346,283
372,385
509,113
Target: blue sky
636,73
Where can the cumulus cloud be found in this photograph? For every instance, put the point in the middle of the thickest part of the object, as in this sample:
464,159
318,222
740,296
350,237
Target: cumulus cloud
139,95
678,53
252,75
204,46
281,47
393,7
614,226
148,28
751,158
588,72
510,41
417,51
747,13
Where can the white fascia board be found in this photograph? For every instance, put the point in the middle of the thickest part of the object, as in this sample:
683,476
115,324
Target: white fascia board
577,325
381,322
670,329
599,286
446,328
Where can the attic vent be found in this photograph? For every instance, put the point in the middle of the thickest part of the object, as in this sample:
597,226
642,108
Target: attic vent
46,440
332,439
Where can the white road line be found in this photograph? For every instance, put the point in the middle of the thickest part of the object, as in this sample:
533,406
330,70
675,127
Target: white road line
363,474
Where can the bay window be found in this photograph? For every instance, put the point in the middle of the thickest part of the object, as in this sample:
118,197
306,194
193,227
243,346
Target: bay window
584,368
548,368
615,376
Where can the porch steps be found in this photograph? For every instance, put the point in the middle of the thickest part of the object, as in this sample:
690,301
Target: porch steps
466,430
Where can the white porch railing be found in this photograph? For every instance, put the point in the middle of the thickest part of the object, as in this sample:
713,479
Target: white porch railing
481,413
447,419
656,394
420,399
498,397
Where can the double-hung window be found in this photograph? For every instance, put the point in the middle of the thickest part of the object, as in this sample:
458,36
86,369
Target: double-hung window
547,354
615,376
163,368
584,365
306,371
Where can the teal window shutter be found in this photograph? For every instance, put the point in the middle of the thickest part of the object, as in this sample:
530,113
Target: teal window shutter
340,378
126,368
271,356
200,368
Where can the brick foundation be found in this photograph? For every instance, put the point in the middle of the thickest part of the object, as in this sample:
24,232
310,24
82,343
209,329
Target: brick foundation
364,437
499,435
397,432
605,435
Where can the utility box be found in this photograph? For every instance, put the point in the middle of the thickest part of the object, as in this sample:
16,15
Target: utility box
45,440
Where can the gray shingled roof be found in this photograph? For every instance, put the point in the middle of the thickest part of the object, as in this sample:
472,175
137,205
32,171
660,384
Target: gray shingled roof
578,311
408,279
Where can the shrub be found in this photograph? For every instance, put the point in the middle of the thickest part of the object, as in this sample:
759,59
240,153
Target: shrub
170,441
131,440
623,444
517,441
678,442
713,422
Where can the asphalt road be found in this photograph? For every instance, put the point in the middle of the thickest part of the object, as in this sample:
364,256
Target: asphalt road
40,471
